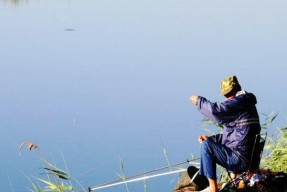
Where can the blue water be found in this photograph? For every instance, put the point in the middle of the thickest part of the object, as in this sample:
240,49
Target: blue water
96,81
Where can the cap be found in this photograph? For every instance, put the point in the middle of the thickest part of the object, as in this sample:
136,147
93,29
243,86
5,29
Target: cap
228,84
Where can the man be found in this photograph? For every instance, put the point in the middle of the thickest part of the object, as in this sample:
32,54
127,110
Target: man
232,149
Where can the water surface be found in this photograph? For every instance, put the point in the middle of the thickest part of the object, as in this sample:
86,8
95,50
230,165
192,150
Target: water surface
101,80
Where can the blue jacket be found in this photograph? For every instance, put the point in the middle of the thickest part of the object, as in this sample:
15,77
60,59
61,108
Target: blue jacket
240,121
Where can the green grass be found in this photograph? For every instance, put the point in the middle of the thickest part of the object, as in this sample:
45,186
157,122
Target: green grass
58,180
122,176
275,156
54,179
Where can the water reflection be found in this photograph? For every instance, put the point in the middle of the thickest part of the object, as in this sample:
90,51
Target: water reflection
15,2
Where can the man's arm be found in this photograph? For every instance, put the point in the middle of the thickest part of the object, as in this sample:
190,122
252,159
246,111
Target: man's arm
216,112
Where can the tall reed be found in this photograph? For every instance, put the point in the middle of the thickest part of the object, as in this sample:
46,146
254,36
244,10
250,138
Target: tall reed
56,179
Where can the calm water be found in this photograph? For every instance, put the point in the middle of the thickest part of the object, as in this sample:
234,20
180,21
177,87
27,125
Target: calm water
96,81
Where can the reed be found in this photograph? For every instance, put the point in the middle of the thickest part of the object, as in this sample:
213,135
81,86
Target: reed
53,180
59,180
275,151
122,176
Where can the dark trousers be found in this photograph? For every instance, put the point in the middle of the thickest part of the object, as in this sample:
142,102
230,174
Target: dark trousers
213,153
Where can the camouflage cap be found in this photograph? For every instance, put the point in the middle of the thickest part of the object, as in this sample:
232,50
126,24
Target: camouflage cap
228,84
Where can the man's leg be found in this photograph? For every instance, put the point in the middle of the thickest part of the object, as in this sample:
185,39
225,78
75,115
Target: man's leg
208,164
213,153
212,185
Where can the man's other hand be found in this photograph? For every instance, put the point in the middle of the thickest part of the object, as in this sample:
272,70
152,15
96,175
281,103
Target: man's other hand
202,138
193,99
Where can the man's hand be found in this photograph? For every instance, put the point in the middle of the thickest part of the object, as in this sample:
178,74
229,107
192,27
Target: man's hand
202,138
193,99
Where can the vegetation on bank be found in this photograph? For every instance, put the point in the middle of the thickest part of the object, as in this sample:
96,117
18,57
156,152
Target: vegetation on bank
57,180
275,150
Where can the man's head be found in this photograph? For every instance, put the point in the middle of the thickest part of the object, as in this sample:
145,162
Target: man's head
230,86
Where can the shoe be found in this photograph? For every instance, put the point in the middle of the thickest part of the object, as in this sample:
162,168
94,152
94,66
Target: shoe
204,190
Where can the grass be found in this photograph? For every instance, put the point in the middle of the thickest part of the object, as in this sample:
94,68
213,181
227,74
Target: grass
54,179
57,180
123,174
275,156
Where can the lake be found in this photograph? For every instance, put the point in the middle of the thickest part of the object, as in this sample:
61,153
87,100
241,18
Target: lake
92,82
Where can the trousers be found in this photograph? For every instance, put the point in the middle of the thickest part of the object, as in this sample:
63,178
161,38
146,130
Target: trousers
213,153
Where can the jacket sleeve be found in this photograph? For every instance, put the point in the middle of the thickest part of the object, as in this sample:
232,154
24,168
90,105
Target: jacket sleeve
217,112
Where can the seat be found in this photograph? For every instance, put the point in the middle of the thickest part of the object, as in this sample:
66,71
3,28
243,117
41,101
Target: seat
257,151
256,155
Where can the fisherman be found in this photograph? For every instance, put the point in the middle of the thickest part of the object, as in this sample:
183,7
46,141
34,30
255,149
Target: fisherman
239,117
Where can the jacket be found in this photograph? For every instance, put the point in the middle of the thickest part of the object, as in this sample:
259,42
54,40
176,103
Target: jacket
239,118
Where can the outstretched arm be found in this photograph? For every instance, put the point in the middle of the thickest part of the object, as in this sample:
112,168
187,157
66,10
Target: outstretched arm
216,112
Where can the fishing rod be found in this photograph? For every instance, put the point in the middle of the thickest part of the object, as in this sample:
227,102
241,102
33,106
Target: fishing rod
137,177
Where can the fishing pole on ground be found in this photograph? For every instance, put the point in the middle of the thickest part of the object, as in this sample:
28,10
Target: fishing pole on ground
137,177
